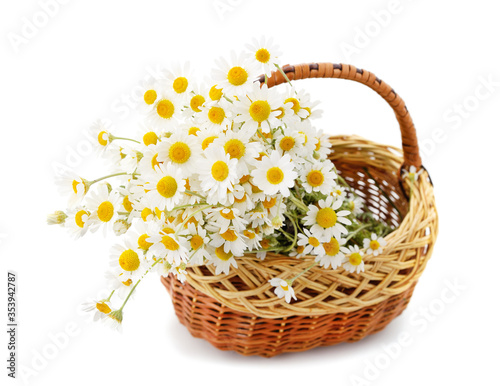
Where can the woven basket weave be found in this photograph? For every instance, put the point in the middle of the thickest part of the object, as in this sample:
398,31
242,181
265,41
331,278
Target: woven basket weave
240,312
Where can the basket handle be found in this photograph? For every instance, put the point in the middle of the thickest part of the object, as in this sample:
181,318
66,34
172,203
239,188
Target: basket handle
346,71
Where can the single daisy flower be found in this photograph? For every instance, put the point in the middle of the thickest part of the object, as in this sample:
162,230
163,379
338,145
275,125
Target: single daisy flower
125,259
222,260
283,289
165,111
374,245
103,206
312,245
180,150
99,308
231,241
215,115
275,173
170,246
259,109
332,256
325,220
290,142
165,186
412,174
265,53
218,174
179,80
319,177
198,241
237,76
239,146
120,283
72,186
354,259
101,136
354,204
223,218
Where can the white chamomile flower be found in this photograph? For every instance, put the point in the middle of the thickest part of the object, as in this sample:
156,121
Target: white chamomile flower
324,220
197,98
354,259
151,89
165,186
223,218
121,226
166,109
292,96
275,174
333,256
338,192
218,174
170,246
355,204
215,115
149,135
231,241
120,283
310,140
72,186
125,259
323,145
101,136
237,76
181,150
283,289
114,320
298,252
77,221
239,146
319,177
253,239
130,159
259,109
99,308
141,232
149,159
199,241
222,260
265,53
179,80
290,142
412,174
312,245
374,245
103,206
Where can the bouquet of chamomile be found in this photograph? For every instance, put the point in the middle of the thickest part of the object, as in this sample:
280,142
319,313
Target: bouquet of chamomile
221,169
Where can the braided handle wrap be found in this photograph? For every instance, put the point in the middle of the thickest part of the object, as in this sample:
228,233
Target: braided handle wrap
346,71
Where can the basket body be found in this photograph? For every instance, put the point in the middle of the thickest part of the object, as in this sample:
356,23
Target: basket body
240,312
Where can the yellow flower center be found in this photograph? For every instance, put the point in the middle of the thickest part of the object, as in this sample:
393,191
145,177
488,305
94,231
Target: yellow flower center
150,138
220,171
249,234
315,178
193,130
284,287
129,260
268,203
313,241
281,114
103,307
326,217
228,216
145,213
75,186
237,76
167,186
127,205
215,93
169,243
224,256
287,143
180,84
154,161
242,199
374,244
105,211
355,259
245,178
196,242
260,111
127,282
165,109
300,249
143,244
265,244
262,55
102,138
179,152
332,247
168,230
207,141
229,235
275,175
216,115
78,217
150,97
318,145
196,102
235,148
295,104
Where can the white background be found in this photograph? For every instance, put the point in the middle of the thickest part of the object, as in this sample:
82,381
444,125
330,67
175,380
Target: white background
83,64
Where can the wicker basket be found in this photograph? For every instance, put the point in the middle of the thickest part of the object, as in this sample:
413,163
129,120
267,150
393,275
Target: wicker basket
240,312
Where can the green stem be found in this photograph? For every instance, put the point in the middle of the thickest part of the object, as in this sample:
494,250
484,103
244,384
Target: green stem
112,138
187,206
283,73
194,194
111,175
136,284
286,234
263,138
109,297
357,231
296,232
304,271
298,203
189,217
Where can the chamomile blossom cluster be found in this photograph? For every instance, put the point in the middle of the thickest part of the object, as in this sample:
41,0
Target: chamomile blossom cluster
220,170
